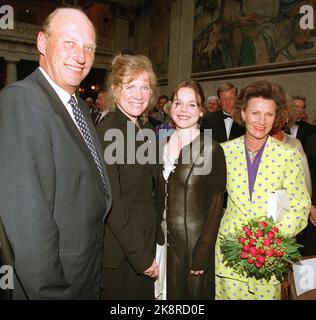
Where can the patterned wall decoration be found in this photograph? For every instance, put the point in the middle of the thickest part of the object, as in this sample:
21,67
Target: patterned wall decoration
241,33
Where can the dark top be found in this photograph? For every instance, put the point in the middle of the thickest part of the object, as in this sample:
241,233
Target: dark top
305,129
130,230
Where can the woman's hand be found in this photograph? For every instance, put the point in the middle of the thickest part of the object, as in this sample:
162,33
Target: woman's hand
152,271
196,272
312,216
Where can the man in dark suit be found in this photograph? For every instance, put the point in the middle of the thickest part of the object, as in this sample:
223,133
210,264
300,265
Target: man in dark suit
223,127
302,129
308,236
54,190
159,117
101,104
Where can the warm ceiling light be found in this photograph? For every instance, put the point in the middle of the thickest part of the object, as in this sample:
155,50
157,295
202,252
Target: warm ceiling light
93,87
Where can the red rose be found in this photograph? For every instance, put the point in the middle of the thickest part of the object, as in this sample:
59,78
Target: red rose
258,265
243,255
278,241
245,228
249,233
242,240
250,261
270,252
261,259
252,241
275,229
253,251
263,224
279,253
259,233
246,247
270,235
266,242
261,250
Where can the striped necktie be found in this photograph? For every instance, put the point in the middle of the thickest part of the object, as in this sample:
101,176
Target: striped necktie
85,131
97,119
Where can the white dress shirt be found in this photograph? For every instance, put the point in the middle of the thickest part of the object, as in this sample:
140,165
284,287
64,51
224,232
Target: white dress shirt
228,124
293,130
63,95
101,116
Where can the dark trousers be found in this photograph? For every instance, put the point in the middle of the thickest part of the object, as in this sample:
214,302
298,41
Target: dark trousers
308,239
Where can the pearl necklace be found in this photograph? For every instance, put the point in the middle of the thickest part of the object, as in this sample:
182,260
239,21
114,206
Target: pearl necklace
252,154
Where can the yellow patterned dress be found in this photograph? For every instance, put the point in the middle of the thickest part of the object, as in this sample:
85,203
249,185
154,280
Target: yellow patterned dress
280,168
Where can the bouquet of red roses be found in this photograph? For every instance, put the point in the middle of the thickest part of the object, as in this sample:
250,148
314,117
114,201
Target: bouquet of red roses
259,250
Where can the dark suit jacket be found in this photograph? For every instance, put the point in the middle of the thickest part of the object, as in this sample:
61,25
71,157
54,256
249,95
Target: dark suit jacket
305,129
51,193
308,235
310,151
94,114
215,121
101,119
130,230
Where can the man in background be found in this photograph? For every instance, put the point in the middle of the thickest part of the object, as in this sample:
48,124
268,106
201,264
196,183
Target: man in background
222,125
301,129
159,117
102,107
213,104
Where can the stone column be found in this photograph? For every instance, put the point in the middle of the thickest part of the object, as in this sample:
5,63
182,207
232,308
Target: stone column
120,24
12,73
181,42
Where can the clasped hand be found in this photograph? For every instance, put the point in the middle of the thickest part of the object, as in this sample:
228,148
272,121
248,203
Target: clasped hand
196,272
152,271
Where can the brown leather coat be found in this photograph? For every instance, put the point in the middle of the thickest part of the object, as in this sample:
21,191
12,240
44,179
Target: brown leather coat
194,207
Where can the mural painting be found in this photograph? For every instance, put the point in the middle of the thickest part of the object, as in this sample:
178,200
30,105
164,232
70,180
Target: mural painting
240,33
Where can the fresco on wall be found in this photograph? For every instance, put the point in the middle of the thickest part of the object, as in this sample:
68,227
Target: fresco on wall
240,33
159,36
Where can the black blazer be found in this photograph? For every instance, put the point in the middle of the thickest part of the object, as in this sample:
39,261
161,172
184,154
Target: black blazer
215,121
52,197
130,230
305,129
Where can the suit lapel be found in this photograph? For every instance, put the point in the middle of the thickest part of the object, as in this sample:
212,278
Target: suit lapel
221,126
300,132
235,131
59,109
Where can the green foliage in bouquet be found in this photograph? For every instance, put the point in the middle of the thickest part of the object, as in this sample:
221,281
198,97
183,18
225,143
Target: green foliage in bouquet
259,250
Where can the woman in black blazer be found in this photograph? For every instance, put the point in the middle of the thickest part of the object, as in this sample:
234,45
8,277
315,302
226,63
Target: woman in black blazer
129,266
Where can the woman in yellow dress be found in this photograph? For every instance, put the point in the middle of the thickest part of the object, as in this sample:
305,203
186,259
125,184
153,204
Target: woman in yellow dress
258,164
